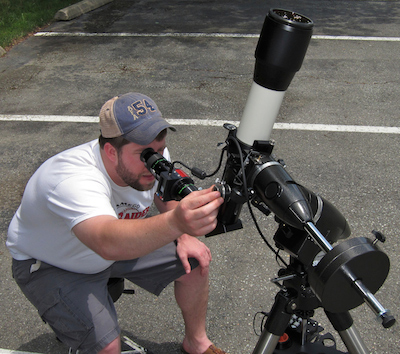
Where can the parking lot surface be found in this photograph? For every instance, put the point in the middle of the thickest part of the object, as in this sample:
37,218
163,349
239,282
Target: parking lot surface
337,130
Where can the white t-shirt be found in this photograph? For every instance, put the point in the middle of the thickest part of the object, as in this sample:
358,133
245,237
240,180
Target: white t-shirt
70,187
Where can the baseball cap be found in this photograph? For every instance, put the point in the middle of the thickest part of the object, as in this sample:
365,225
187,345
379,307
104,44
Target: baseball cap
133,116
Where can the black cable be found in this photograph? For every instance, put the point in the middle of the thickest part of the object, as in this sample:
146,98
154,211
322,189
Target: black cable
248,201
198,172
181,163
244,180
219,165
262,323
277,256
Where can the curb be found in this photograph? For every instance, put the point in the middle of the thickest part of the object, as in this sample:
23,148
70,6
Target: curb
78,9
2,51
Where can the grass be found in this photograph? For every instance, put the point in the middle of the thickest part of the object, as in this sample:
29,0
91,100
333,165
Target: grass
19,18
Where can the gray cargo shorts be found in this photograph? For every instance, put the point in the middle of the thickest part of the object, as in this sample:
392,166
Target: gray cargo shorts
78,307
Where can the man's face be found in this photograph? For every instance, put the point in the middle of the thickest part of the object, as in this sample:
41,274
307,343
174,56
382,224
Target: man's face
131,170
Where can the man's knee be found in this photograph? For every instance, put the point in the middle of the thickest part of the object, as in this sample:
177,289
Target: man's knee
197,274
112,348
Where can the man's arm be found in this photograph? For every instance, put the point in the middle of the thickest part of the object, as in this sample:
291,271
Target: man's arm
187,246
123,239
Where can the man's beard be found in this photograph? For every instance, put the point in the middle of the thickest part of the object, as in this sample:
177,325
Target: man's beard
129,179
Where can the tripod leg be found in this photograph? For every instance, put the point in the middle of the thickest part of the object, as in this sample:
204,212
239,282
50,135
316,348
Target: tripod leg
343,323
275,326
267,343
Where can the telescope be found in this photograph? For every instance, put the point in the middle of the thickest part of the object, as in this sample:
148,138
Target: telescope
327,269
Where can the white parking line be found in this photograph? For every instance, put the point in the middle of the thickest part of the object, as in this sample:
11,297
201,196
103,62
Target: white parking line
201,34
6,351
51,118
212,123
358,38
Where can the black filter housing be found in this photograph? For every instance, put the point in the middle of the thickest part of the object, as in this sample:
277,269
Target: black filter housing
281,48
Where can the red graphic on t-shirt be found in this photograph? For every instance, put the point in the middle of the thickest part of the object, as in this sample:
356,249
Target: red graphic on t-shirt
130,213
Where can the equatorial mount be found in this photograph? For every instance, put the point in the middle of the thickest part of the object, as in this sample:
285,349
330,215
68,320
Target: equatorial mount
327,269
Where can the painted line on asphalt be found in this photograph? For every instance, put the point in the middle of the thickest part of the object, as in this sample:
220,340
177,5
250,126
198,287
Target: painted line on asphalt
127,34
48,118
358,38
212,123
212,35
6,351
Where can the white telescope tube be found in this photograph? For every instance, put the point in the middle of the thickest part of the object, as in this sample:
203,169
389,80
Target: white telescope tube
259,115
279,54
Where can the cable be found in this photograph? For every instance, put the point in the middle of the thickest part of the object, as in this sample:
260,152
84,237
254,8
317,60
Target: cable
277,256
219,164
197,172
245,190
263,321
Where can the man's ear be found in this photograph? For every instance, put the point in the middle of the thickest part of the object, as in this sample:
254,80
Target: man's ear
111,152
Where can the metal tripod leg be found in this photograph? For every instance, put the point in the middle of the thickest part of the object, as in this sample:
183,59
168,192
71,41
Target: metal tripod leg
267,343
275,326
343,323
279,319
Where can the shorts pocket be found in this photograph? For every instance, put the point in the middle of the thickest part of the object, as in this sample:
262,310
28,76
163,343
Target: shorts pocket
67,321
21,271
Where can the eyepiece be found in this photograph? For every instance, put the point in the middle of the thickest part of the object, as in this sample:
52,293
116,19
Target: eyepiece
146,154
174,184
155,162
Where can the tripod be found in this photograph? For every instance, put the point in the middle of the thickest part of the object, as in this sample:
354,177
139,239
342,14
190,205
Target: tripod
289,327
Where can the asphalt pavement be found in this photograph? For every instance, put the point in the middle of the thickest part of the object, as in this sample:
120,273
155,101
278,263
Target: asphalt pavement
337,130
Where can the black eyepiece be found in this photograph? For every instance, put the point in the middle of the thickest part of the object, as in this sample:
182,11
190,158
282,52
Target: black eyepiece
174,184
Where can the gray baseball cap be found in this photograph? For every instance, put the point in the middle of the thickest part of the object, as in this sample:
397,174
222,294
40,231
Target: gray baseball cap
133,116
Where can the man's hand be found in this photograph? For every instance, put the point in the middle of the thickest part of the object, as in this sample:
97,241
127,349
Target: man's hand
191,247
196,213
